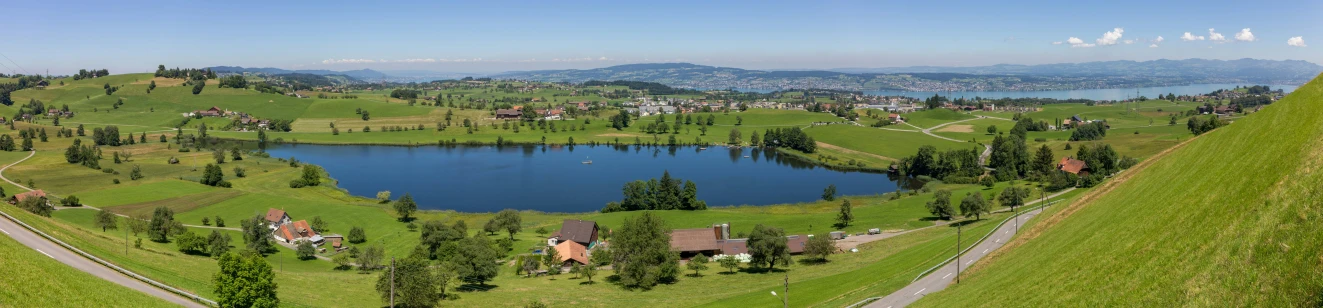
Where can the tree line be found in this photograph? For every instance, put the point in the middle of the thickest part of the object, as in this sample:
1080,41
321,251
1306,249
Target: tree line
793,138
187,73
89,74
665,194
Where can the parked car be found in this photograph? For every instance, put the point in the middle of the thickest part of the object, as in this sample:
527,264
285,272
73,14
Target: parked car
874,231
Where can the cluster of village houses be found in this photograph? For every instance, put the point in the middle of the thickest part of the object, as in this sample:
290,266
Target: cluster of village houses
576,239
245,120
289,231
557,113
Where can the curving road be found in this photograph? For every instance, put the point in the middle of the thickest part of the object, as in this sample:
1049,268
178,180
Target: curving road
59,253
943,277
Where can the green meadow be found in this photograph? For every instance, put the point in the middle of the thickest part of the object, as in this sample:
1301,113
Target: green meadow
878,268
30,279
1230,218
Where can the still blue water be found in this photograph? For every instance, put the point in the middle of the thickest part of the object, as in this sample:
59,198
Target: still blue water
554,179
1094,94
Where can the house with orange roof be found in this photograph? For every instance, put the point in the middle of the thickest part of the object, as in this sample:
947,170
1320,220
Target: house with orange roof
572,252
1073,166
29,194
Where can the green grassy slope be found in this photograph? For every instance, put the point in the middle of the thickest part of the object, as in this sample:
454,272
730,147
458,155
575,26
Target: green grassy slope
1231,218
30,279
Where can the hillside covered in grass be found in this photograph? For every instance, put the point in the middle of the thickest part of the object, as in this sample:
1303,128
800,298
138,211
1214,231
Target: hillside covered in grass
1233,217
30,279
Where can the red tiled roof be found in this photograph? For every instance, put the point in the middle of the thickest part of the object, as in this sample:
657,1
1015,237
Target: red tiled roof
35,193
303,229
274,215
569,250
1074,166
284,232
694,239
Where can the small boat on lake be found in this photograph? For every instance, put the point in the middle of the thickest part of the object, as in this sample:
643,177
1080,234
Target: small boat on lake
587,161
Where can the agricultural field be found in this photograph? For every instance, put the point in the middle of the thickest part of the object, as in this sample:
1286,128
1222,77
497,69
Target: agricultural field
878,268
886,143
1147,231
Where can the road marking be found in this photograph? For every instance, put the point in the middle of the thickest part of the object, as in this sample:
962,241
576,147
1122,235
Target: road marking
920,291
986,250
947,275
970,261
6,232
44,253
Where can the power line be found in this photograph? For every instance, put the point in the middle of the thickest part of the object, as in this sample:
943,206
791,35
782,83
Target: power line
25,71
7,67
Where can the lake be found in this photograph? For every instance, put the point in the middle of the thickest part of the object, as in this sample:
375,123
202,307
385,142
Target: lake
1094,94
555,179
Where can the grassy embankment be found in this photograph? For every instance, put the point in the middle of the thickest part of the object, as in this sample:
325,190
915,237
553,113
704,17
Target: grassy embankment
30,279
1231,218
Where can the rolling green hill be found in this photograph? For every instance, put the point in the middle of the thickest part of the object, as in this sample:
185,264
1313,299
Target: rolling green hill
1229,218
30,279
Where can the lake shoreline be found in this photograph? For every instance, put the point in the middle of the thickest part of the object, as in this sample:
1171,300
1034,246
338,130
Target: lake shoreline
460,177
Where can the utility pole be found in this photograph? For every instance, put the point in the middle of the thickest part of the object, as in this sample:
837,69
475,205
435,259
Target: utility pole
392,282
126,239
786,303
958,227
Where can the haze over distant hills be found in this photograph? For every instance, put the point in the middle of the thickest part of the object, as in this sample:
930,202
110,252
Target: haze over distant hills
363,74
1089,75
1001,77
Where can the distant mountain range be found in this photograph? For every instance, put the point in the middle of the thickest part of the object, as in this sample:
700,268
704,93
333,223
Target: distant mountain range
363,74
1166,68
1003,77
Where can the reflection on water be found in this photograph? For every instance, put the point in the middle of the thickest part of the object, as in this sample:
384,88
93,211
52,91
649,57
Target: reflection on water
556,179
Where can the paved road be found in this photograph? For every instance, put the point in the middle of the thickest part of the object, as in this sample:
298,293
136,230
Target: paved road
57,252
941,278
855,241
50,249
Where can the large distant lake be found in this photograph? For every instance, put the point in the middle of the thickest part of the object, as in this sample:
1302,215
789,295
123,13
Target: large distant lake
1094,94
554,179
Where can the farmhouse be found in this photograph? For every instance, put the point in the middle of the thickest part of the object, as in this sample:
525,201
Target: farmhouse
1073,166
296,232
583,232
508,114
213,112
894,118
690,242
716,240
571,252
29,194
275,218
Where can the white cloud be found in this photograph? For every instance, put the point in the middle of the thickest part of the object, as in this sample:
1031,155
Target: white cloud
1216,37
1191,37
1159,39
1153,46
1077,42
1110,37
1297,41
1056,43
1245,36
351,61
1128,42
414,61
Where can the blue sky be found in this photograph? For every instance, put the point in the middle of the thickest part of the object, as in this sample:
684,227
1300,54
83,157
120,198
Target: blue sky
491,36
